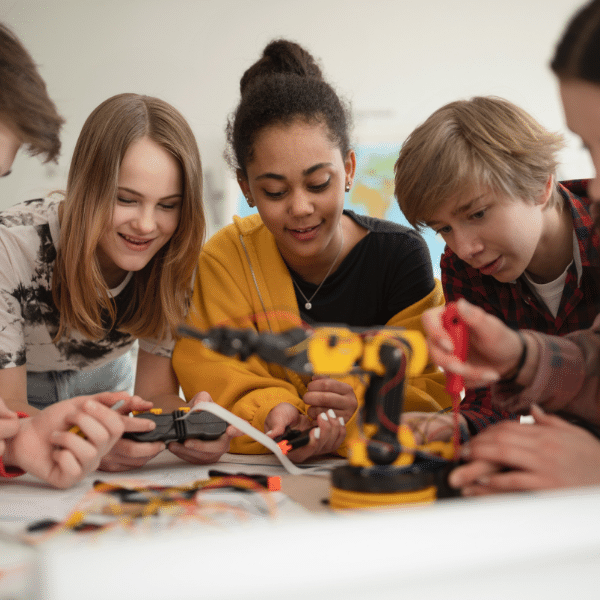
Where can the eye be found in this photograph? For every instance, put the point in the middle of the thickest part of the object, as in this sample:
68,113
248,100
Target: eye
125,200
274,195
169,206
443,230
319,187
479,214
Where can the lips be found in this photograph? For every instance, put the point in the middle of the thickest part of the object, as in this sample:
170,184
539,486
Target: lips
305,233
492,267
134,243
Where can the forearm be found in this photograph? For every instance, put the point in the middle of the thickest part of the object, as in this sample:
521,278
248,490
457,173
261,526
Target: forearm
559,373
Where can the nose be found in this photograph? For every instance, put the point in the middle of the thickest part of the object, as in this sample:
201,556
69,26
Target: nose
301,204
145,221
467,245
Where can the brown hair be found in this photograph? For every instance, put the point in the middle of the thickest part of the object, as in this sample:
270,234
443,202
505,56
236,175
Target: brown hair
468,144
578,52
24,100
162,288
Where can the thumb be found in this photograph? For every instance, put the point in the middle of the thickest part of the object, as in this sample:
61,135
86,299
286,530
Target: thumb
200,397
541,417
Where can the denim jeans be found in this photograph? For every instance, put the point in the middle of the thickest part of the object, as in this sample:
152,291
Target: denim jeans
47,387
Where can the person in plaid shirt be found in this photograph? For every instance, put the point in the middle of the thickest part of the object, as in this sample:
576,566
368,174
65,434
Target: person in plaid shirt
519,304
480,172
529,368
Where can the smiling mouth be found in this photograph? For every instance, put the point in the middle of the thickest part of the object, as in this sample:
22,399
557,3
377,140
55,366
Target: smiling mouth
305,230
135,241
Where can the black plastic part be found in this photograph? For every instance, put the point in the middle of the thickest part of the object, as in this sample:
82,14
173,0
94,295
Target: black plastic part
423,473
200,425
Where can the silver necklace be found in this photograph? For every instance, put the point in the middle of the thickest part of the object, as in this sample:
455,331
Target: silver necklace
308,304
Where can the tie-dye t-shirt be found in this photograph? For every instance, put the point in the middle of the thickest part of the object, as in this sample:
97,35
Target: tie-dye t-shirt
29,237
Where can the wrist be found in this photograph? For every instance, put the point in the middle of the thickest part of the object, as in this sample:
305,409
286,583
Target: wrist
513,373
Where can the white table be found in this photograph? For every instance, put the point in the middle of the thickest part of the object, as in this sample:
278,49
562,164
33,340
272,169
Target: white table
538,546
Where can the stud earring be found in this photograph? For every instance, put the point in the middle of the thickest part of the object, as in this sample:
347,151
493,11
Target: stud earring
348,186
249,201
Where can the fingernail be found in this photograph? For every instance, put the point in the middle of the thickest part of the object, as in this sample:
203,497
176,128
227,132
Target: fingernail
324,416
269,432
317,433
465,452
483,480
331,413
464,306
341,420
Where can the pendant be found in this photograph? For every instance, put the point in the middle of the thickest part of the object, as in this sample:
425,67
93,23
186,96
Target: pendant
308,306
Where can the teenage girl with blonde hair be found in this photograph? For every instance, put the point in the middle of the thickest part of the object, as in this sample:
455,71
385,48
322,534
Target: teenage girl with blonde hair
85,276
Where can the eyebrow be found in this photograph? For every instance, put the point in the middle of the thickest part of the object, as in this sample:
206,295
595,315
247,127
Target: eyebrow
125,189
304,173
461,209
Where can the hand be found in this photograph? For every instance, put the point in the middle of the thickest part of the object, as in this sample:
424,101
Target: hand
551,453
46,448
9,424
127,454
326,438
432,426
326,393
494,348
201,452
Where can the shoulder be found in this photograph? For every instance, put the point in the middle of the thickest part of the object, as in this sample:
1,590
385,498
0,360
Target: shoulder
30,213
575,193
388,233
232,233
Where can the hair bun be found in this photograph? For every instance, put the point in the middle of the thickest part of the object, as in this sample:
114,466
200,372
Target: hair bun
282,56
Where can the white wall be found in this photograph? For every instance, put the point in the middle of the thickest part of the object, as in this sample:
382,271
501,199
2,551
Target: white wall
396,60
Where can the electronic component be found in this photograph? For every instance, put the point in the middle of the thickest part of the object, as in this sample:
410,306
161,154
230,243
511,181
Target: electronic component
171,428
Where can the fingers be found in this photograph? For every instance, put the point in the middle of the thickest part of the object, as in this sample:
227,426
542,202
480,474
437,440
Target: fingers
200,397
131,403
543,418
127,454
326,438
9,424
430,427
471,473
473,375
325,393
202,452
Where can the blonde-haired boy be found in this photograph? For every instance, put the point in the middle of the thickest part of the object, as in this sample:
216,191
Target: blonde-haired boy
481,173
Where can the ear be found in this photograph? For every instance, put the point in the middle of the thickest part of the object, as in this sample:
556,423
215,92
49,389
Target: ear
350,165
545,196
243,182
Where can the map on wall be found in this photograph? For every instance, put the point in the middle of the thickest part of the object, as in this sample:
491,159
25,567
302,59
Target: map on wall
373,193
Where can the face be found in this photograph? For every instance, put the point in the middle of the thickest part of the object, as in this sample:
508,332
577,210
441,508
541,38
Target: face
496,234
146,211
10,143
297,180
581,103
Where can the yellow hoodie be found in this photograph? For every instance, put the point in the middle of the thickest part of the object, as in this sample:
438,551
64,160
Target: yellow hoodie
242,281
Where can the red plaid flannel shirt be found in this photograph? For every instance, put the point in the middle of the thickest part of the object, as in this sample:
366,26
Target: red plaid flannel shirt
515,303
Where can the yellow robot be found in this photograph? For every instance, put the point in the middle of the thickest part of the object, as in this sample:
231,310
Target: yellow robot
386,467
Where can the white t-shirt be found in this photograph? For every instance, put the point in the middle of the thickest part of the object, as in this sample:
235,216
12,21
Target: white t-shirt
29,319
551,293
